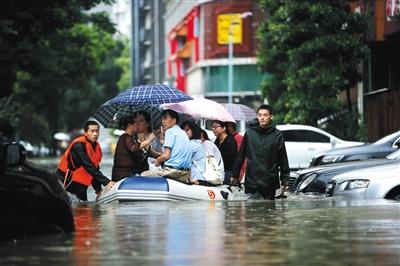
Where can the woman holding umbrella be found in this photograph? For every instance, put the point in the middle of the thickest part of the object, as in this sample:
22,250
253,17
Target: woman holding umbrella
129,157
145,128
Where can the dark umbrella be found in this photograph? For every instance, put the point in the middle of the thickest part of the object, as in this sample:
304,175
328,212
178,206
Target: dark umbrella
144,97
155,94
109,114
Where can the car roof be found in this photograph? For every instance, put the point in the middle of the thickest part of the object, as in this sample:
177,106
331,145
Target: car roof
361,149
304,127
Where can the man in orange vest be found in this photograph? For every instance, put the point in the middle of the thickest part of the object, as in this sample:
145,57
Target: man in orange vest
79,166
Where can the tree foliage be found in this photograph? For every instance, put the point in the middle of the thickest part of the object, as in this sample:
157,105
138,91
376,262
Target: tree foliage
314,49
58,60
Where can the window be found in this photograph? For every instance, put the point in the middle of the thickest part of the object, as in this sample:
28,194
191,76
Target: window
312,136
304,136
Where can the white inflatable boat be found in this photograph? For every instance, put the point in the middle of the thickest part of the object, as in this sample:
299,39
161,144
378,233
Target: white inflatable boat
138,188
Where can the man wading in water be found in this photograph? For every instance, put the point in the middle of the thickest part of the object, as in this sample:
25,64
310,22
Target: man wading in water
264,147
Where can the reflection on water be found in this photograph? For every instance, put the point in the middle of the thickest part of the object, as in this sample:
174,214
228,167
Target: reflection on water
294,231
288,232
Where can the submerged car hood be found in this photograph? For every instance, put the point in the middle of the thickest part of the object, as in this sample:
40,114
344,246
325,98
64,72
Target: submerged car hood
380,171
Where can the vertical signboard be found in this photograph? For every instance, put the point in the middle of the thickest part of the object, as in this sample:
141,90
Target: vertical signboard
229,22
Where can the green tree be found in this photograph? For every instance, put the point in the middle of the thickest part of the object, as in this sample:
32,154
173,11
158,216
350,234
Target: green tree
59,63
314,49
124,62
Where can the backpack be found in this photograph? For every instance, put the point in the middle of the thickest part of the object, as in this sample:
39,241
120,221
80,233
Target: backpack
214,172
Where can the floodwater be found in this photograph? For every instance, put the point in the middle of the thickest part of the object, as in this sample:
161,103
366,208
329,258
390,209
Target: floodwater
293,231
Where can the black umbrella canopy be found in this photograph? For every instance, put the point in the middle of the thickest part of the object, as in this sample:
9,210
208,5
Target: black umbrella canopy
109,114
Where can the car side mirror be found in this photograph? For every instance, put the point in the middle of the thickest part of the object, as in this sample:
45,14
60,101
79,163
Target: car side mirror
14,154
333,142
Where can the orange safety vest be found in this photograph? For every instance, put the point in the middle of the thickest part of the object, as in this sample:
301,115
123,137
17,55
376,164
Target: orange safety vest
80,175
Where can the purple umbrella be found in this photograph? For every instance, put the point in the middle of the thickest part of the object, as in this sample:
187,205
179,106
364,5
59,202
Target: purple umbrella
240,111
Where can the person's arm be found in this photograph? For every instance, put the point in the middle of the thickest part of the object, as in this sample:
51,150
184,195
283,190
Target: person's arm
163,157
283,163
240,157
147,141
80,157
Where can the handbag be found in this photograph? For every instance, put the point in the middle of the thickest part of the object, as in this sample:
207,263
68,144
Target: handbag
214,172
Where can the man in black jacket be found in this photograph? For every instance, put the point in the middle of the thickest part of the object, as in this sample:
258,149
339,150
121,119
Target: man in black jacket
267,165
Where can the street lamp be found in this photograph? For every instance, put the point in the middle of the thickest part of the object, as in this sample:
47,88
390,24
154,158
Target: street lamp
230,54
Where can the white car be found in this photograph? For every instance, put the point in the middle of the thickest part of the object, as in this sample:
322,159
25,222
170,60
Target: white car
377,182
302,142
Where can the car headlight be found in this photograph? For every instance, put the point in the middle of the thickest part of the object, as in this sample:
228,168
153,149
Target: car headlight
353,184
307,181
332,158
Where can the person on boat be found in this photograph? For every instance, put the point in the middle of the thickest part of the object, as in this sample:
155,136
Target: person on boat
226,143
198,153
231,127
144,129
267,162
176,159
210,147
80,164
129,156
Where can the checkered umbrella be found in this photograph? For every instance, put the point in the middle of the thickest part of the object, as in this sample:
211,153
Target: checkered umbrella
109,114
154,94
240,111
143,97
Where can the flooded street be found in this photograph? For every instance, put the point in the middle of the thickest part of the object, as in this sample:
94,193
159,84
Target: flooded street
293,231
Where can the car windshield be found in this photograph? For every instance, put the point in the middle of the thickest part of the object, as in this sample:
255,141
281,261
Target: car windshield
388,138
394,155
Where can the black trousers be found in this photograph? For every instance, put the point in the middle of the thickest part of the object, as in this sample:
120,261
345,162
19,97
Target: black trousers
78,189
267,193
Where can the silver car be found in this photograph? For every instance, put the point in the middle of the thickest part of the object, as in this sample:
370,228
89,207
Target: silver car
377,182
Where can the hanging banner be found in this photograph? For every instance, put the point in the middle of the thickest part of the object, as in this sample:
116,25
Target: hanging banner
227,23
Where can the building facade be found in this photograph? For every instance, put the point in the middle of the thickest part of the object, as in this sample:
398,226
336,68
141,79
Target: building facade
382,83
147,42
198,56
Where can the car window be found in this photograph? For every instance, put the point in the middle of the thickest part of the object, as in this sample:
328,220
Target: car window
304,136
311,136
290,135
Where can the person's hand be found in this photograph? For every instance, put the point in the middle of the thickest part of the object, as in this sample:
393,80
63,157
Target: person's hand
234,181
110,185
157,162
151,137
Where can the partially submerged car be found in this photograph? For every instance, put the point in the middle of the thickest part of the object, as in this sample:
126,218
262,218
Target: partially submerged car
303,142
378,149
378,182
33,200
315,179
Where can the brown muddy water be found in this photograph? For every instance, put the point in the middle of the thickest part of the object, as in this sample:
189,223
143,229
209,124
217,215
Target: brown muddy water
293,231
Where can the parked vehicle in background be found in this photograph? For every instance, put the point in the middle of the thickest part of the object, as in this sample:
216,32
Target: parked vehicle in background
378,149
314,180
303,142
378,182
